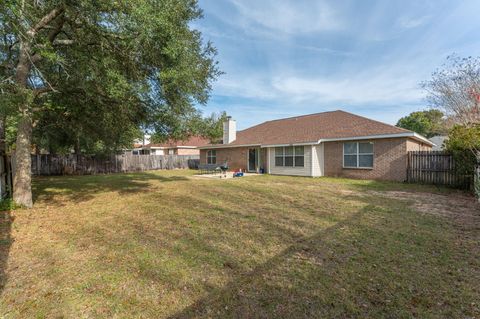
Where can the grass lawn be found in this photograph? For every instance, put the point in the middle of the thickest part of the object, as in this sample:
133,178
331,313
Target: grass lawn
166,245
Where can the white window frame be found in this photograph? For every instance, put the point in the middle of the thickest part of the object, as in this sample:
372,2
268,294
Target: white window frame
293,154
358,155
212,157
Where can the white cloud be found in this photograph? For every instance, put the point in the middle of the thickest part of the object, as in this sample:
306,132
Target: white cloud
367,88
291,17
412,22
387,85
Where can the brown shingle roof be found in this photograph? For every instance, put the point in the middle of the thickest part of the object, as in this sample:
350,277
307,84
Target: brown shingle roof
313,127
191,141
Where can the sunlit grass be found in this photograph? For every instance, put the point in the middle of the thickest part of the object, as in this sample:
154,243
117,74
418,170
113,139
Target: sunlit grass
164,244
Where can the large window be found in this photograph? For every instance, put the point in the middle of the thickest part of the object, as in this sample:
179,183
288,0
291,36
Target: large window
289,156
358,155
212,157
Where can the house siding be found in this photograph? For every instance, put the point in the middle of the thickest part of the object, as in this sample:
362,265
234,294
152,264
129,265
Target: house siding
389,163
156,152
413,145
187,151
318,160
299,171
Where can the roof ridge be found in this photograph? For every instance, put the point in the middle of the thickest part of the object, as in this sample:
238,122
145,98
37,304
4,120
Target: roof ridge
286,118
304,115
317,113
290,117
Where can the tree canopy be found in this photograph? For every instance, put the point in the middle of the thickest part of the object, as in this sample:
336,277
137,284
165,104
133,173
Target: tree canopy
95,71
427,123
455,89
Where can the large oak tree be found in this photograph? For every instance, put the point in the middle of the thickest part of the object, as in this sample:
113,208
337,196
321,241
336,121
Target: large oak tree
107,64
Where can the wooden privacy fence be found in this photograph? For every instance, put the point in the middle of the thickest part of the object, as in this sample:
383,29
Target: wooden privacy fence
437,168
86,165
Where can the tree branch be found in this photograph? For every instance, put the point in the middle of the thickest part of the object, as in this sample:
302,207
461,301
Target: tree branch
63,42
52,15
57,29
38,92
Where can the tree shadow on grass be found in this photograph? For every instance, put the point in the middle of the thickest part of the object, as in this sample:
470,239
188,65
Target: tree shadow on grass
57,189
343,271
6,241
260,293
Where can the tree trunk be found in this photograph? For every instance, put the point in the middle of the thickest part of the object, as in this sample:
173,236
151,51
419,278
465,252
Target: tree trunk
22,187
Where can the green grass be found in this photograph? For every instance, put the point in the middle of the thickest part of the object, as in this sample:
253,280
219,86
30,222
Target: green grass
167,245
7,204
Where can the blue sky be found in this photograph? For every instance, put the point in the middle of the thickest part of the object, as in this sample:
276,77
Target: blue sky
285,58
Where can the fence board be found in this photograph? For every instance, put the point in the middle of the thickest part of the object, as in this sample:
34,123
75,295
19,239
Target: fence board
437,168
5,177
87,165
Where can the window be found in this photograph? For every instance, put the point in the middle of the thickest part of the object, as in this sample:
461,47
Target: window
144,152
358,155
299,156
171,151
279,156
289,156
212,157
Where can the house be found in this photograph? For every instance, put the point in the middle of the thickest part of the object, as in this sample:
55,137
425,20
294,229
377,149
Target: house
188,146
333,143
439,141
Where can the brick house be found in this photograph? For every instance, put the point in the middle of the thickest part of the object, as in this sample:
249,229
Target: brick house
333,143
188,146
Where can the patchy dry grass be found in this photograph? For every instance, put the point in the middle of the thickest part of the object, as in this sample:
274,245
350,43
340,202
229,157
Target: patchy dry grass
164,245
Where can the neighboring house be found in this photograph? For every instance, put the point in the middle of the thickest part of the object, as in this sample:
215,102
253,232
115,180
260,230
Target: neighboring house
333,143
172,147
438,141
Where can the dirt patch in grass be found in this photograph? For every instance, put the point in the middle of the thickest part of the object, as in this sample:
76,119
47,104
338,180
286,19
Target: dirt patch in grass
459,208
164,245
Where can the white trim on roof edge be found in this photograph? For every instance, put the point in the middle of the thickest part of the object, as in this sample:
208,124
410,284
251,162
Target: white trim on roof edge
168,147
406,134
289,144
354,138
207,147
423,139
